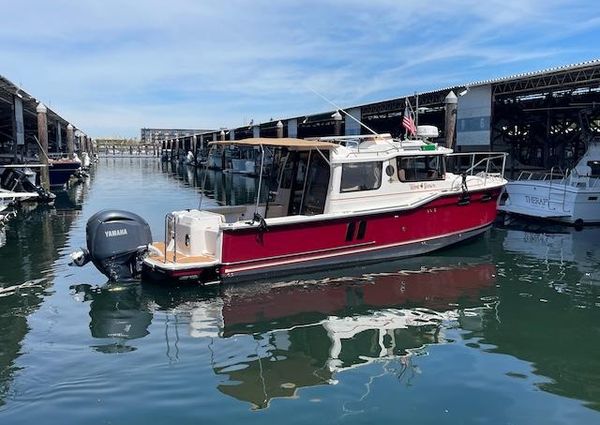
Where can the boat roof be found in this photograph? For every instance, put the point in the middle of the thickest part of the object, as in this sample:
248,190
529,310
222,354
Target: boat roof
287,142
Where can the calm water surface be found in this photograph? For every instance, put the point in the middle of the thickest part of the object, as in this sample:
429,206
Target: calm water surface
502,330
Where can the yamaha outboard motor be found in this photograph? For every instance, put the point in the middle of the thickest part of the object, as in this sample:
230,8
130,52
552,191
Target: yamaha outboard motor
117,242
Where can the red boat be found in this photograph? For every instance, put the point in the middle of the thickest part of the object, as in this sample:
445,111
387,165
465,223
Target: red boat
336,201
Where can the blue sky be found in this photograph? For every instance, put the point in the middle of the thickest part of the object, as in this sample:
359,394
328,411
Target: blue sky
112,67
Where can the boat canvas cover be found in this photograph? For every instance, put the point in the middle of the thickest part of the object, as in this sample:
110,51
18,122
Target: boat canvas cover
284,142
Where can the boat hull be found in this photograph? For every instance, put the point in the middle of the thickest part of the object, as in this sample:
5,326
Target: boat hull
251,253
557,202
61,172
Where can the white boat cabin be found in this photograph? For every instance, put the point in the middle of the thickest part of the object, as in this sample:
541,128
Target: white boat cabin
342,175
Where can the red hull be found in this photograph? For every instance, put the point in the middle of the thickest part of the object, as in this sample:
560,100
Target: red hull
367,237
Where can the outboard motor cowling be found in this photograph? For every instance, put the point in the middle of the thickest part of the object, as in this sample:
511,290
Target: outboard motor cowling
117,242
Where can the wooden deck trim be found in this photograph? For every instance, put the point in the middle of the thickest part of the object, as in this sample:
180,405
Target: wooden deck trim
181,258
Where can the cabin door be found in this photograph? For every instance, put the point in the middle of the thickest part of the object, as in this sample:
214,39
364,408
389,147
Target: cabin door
298,183
285,179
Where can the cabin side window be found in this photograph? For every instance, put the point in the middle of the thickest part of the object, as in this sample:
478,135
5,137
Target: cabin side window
358,176
595,168
420,168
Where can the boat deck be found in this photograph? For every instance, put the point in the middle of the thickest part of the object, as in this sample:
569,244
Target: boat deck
180,258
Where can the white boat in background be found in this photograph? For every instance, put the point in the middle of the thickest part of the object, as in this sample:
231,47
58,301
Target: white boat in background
572,197
243,161
189,159
18,183
215,159
8,197
85,161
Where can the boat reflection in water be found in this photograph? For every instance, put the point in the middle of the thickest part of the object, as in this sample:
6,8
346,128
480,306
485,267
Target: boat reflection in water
549,308
562,246
268,339
30,246
117,312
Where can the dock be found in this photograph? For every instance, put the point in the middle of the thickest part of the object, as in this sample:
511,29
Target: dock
30,131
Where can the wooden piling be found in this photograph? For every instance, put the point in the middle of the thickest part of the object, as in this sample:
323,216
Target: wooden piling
70,143
451,103
42,127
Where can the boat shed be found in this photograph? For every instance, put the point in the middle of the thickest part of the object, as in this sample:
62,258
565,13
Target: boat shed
19,121
540,118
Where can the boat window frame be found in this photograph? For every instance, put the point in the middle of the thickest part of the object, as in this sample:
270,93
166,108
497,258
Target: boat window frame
308,205
354,189
594,168
440,172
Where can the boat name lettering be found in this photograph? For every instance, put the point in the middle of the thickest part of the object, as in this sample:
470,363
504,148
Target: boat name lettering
534,200
418,186
117,232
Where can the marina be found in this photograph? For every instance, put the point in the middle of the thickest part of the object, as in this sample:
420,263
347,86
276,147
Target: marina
470,321
325,212
334,274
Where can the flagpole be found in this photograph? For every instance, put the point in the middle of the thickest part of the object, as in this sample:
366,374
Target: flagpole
417,110
406,103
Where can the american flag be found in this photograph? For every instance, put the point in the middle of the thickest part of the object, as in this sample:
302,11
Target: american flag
408,122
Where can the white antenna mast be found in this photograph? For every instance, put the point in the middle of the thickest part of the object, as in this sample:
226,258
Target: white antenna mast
346,113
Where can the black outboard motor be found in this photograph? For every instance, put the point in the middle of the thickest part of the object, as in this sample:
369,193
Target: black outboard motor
18,181
117,242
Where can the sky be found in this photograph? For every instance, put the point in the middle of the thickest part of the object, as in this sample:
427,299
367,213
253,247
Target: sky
114,66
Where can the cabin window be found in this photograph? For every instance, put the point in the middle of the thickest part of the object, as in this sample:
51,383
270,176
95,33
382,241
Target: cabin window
357,176
595,166
420,168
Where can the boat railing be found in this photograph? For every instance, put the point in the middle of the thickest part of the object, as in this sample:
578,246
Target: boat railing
481,164
556,173
170,235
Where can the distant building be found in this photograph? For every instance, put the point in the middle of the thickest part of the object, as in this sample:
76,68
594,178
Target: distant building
156,135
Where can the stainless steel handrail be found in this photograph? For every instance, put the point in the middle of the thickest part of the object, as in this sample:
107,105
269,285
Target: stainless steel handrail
174,238
488,161
166,236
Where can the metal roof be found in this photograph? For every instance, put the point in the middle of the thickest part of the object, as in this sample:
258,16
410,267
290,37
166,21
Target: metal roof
562,68
29,101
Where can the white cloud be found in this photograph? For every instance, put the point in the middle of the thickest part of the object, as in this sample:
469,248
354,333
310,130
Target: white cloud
114,66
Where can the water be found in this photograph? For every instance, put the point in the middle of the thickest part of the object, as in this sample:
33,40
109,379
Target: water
502,330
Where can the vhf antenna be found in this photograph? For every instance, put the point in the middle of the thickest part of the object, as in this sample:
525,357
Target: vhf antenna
340,109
